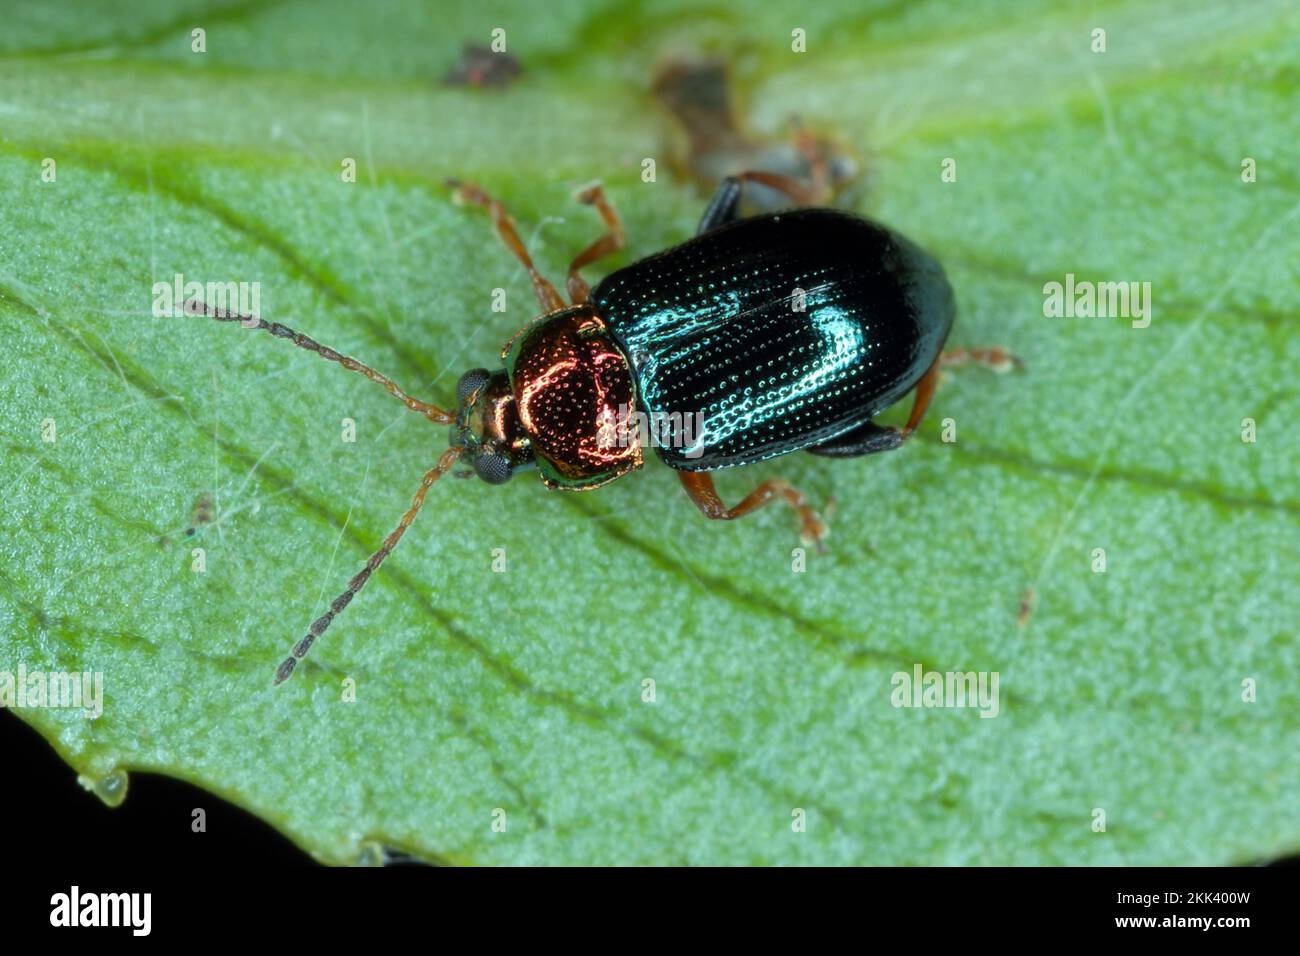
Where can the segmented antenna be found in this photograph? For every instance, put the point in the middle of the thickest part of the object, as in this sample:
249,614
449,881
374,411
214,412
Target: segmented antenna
432,412
448,459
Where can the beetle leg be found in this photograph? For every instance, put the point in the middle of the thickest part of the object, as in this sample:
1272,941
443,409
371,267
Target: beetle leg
724,207
993,357
921,401
819,173
869,438
610,242
468,192
699,486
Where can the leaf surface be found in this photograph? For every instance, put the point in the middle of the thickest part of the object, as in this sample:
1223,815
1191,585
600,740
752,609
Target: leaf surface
523,690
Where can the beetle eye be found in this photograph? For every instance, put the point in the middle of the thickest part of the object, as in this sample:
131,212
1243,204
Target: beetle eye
494,469
469,383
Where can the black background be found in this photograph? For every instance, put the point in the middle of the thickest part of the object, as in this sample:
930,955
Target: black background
153,824
241,881
45,807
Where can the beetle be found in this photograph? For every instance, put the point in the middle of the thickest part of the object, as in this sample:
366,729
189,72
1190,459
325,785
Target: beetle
776,333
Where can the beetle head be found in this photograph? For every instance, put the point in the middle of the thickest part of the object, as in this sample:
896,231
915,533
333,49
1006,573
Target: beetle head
487,426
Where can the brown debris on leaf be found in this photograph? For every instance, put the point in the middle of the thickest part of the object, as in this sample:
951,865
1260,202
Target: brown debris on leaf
697,92
480,67
201,515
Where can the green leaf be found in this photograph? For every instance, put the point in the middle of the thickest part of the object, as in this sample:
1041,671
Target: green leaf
476,690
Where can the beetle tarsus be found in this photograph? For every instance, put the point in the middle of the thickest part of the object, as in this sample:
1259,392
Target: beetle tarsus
610,242
993,357
699,487
464,192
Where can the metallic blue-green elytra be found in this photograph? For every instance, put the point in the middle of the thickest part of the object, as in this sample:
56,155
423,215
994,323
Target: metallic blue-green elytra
780,332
